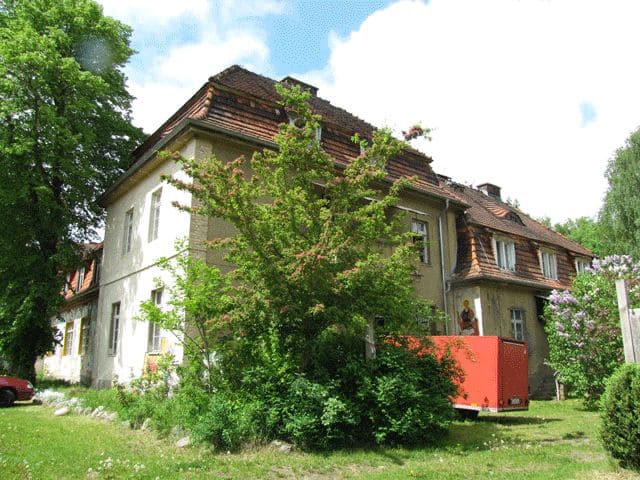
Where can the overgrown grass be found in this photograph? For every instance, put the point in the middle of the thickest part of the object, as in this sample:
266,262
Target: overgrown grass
551,441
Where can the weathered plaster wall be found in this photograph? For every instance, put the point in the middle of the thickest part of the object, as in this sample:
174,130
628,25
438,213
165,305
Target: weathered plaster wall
129,278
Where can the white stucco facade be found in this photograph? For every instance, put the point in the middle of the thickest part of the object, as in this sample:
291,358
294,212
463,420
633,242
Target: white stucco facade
73,358
138,232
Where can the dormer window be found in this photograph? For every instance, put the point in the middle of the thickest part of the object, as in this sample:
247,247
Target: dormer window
515,218
296,121
548,264
504,251
80,279
582,264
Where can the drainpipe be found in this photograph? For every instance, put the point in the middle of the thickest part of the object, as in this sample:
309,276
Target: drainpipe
442,273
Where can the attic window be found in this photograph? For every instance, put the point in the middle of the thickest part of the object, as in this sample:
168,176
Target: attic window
296,121
515,218
582,264
548,264
504,250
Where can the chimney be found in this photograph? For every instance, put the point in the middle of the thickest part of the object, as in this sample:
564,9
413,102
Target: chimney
290,81
490,190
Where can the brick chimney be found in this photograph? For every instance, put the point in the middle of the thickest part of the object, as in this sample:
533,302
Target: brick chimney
290,81
490,190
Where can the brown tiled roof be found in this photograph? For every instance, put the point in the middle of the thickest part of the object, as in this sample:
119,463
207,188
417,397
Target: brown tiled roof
91,256
245,102
487,217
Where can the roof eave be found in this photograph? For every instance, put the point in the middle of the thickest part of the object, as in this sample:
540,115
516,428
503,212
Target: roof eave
183,127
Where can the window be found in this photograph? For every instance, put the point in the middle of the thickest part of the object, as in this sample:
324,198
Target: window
155,332
517,324
97,267
420,239
114,329
67,283
154,217
68,338
582,264
127,240
83,343
549,264
296,121
505,252
80,279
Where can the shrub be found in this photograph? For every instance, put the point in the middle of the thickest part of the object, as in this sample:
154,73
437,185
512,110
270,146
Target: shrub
226,423
620,412
407,394
583,327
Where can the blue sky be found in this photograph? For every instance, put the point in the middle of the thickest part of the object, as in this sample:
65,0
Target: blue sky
531,95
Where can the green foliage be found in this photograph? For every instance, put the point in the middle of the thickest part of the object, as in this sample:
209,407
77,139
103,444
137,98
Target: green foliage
277,345
620,213
583,327
586,231
65,134
620,412
201,294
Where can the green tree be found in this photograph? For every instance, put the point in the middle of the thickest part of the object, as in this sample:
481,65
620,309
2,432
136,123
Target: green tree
620,213
320,255
584,230
65,134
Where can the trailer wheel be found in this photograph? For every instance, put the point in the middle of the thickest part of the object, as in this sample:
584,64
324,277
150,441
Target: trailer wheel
465,414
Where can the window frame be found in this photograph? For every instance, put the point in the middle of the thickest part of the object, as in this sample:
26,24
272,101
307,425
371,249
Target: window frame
154,214
504,249
581,264
85,330
67,347
517,321
421,236
154,338
114,328
80,275
549,269
127,239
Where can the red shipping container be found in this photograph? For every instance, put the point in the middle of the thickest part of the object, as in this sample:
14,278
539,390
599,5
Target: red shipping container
496,373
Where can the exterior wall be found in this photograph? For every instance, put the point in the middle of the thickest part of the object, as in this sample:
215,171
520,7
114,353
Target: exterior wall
203,228
431,276
129,278
74,366
493,304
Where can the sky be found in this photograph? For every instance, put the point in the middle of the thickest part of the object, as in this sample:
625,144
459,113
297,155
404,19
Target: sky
534,96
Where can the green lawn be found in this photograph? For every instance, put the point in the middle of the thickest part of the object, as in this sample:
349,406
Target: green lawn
552,440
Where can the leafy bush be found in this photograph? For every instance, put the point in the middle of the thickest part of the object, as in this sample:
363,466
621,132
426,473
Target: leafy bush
620,412
583,327
408,393
226,423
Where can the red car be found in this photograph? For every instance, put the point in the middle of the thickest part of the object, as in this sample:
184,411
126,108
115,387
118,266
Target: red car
12,389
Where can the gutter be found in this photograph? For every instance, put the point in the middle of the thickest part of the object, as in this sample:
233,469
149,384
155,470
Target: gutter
493,278
442,273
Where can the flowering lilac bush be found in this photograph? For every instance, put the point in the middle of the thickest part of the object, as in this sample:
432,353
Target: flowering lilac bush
583,326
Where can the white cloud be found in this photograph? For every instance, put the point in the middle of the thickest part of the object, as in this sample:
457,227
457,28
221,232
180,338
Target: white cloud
504,84
185,68
153,12
233,9
192,40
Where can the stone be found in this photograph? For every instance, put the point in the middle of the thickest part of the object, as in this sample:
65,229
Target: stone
61,411
183,442
146,425
282,447
110,416
97,412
